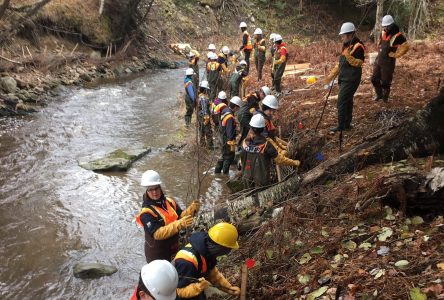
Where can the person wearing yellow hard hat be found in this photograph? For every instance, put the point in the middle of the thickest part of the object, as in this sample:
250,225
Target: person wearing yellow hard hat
196,262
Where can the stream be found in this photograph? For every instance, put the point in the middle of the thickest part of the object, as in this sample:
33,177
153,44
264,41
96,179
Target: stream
54,214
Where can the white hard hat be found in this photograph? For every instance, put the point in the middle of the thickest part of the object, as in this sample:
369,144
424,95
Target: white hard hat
213,55
266,90
209,55
243,25
211,47
204,84
236,100
277,38
225,50
271,102
272,36
160,278
243,62
387,20
222,95
257,121
258,31
150,178
347,28
189,71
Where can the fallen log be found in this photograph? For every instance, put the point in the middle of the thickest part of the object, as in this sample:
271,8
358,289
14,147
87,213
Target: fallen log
421,136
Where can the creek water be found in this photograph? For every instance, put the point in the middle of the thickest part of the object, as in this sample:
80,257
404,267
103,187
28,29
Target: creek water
54,214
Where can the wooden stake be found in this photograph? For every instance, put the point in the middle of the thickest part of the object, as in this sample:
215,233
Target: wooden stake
75,47
278,168
244,278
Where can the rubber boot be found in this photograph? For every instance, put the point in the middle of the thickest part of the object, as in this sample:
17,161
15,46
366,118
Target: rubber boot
226,167
378,93
218,168
385,95
187,121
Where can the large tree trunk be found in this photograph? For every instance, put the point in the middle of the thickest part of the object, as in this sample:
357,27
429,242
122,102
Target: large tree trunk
379,14
420,136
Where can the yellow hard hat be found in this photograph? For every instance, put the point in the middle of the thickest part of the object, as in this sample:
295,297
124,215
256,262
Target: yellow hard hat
224,234
311,79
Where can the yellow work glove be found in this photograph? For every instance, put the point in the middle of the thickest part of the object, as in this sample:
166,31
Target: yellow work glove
173,228
402,49
277,146
353,61
218,279
233,290
193,289
332,75
192,209
281,141
281,60
285,161
231,146
206,120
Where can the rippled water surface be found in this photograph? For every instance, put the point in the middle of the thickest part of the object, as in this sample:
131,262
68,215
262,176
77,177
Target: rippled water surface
54,214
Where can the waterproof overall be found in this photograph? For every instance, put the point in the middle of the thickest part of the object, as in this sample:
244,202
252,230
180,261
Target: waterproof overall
278,69
193,64
203,118
249,105
247,47
214,78
256,165
259,57
190,93
228,133
349,79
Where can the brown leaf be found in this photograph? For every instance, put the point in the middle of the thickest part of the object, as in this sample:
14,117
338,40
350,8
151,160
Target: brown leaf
349,297
433,290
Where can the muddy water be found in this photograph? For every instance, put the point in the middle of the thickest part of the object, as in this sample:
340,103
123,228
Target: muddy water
54,214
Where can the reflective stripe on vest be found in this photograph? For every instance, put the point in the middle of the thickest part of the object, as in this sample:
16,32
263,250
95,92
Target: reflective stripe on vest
187,255
249,45
355,47
254,148
218,108
390,38
168,216
226,117
269,125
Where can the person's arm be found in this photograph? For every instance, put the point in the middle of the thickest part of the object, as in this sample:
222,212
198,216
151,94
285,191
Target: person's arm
167,231
283,57
403,47
189,285
218,279
333,73
356,59
190,92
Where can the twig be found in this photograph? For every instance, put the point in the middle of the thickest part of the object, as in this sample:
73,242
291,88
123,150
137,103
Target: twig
10,60
75,47
29,52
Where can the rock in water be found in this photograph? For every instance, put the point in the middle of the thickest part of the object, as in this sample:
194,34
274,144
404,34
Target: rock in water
93,270
119,160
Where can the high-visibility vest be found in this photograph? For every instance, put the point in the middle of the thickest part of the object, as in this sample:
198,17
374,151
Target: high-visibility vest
190,255
391,39
168,216
249,45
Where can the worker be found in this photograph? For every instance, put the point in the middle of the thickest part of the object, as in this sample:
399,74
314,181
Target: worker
190,96
236,78
250,104
272,51
196,262
162,219
247,46
216,108
222,57
204,115
279,63
259,52
211,48
349,71
193,64
228,136
157,281
392,45
214,70
269,106
257,155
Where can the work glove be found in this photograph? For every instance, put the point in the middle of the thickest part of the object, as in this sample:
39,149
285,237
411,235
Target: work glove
206,120
221,282
332,74
173,228
392,54
231,146
285,161
194,289
233,290
192,209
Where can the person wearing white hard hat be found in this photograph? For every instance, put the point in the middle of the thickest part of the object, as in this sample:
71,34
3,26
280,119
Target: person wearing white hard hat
392,45
162,219
190,95
279,62
204,115
157,281
222,57
236,78
214,70
349,72
227,127
193,60
249,107
257,155
247,45
272,51
217,105
269,106
259,52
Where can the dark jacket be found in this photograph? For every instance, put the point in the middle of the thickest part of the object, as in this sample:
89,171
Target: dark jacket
348,72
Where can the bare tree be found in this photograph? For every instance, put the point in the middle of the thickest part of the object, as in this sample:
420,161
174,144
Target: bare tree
102,4
4,7
379,14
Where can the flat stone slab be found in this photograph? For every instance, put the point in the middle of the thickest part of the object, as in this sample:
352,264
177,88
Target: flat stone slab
93,270
116,161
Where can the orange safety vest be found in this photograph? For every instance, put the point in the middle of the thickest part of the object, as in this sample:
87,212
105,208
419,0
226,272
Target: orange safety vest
226,117
187,254
213,66
218,108
169,215
249,45
355,47
269,125
390,38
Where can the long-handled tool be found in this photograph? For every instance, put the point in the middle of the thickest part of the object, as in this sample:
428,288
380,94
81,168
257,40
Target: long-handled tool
325,103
